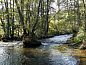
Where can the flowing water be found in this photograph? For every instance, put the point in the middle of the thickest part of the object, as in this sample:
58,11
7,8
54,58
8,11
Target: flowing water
53,51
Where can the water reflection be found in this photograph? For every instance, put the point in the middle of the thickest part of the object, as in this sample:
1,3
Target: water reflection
47,54
81,54
23,57
39,56
59,58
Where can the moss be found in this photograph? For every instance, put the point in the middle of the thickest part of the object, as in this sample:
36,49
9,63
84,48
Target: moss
80,36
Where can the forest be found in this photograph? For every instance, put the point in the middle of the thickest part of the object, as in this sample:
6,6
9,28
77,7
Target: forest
39,19
30,21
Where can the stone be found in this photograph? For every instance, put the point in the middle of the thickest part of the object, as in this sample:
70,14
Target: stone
30,42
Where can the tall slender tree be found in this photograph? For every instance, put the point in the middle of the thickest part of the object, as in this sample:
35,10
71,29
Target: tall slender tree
47,18
7,17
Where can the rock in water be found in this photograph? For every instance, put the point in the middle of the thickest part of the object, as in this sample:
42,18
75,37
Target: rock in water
30,42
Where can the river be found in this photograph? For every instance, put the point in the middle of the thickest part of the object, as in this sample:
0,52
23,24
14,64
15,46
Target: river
53,51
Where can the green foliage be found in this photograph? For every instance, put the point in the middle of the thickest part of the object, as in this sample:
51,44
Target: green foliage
80,36
60,22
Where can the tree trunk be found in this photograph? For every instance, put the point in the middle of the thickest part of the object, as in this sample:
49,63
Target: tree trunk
21,17
47,19
34,26
7,17
12,35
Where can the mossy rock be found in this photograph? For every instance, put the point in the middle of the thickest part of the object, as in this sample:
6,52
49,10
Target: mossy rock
30,42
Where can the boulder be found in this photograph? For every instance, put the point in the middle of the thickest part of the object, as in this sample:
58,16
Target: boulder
30,42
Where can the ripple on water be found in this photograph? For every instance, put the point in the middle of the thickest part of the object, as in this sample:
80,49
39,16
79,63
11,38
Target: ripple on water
57,58
39,56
